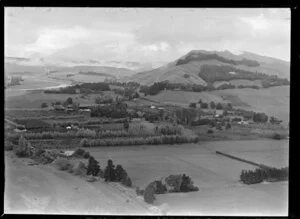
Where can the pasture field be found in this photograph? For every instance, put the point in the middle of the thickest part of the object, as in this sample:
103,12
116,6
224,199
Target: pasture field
35,99
273,101
217,177
184,98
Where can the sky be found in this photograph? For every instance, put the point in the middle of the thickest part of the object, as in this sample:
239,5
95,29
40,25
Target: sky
144,34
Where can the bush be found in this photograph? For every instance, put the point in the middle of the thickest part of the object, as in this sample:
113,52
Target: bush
174,182
93,167
139,191
187,184
44,105
228,126
126,181
160,188
78,153
63,164
149,194
22,149
80,169
276,136
8,146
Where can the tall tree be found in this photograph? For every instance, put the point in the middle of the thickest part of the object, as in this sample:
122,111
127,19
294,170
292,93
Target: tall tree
109,172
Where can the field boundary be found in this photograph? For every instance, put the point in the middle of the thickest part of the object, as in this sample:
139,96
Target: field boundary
243,160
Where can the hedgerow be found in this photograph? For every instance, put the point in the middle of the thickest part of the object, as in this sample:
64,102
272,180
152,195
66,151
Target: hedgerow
264,174
153,140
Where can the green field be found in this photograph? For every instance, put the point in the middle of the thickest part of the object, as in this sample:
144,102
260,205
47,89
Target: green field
274,100
217,177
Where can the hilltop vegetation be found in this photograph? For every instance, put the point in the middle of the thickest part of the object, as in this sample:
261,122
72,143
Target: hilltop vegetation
203,57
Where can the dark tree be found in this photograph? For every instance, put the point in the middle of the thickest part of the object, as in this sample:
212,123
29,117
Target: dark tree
68,101
204,105
126,125
212,105
149,194
219,106
192,105
44,105
93,167
200,101
229,106
119,173
109,172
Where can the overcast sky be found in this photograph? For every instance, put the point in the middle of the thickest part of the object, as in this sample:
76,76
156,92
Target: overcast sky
144,35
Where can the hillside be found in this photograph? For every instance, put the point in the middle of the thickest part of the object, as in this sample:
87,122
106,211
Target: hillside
186,69
274,101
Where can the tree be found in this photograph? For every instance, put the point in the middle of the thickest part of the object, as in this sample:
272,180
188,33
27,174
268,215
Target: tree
228,126
200,101
93,167
229,106
126,125
109,172
125,179
68,101
219,106
119,173
260,117
192,105
149,194
212,105
22,149
204,105
160,188
44,105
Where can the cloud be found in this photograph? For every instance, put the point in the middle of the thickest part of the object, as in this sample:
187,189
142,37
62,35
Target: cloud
145,34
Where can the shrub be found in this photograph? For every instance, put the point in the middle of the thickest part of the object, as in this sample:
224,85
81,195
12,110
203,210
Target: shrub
174,182
44,105
93,167
160,188
80,169
8,146
139,191
126,181
210,131
78,153
63,164
22,149
149,194
187,184
228,126
38,152
276,136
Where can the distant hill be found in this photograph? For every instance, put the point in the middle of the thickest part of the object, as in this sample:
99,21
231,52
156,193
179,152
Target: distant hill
186,69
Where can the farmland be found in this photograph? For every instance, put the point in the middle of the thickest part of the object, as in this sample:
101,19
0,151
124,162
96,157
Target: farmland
149,150
273,101
216,176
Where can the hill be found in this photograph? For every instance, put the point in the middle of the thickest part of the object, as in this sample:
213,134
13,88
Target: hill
187,69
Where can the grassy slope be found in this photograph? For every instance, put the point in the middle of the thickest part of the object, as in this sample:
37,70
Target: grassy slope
274,101
40,190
